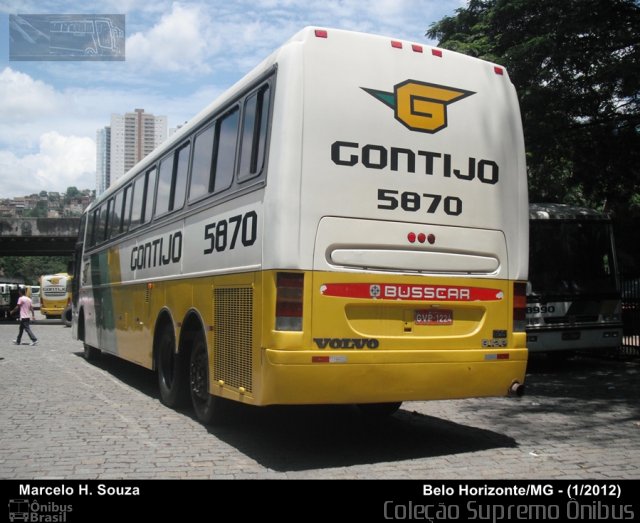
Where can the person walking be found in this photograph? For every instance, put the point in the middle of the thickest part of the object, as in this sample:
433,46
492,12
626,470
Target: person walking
26,313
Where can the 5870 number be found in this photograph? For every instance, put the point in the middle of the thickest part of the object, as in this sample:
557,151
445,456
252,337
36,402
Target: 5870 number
225,234
413,202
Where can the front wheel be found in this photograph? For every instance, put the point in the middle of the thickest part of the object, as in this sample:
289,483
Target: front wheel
205,405
172,372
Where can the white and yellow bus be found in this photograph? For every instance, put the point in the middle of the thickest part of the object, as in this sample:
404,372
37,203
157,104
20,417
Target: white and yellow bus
54,294
346,224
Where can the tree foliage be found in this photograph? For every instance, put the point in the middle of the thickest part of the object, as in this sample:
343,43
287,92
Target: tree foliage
30,268
576,67
72,192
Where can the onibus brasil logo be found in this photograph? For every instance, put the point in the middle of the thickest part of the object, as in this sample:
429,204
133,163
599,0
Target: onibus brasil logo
420,106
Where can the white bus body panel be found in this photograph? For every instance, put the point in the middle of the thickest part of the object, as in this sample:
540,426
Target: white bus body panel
322,100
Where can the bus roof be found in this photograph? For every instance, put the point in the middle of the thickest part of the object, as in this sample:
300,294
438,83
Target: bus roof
561,211
220,103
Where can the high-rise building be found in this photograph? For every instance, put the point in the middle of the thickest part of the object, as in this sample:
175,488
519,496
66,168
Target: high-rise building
134,136
103,159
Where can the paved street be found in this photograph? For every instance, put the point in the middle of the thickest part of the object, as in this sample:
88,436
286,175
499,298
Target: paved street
62,417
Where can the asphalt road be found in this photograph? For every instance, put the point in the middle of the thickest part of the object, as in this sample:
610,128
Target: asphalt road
62,417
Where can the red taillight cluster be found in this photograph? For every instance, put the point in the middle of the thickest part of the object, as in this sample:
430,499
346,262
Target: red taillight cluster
519,306
289,299
421,238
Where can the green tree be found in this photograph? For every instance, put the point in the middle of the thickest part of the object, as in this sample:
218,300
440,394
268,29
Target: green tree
39,211
72,192
576,67
30,268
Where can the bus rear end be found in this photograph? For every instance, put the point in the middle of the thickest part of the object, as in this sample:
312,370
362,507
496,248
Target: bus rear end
53,294
399,272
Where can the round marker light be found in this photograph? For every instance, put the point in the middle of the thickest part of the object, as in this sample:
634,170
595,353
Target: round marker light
411,237
431,239
422,237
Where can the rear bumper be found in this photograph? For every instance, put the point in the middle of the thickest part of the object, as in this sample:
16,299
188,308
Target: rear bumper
333,377
574,338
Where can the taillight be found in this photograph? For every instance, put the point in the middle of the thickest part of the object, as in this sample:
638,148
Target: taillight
289,297
519,306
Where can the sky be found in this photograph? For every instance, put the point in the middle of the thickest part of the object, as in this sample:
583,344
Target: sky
179,57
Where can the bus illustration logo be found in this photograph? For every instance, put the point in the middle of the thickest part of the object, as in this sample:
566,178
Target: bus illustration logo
420,106
18,510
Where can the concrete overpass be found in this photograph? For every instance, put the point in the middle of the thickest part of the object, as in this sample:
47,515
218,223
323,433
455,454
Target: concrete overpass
38,236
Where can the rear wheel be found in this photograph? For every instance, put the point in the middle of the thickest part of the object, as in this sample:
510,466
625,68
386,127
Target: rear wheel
205,405
379,410
172,370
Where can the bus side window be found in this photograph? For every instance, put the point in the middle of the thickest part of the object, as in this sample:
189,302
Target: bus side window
115,220
91,231
201,165
150,191
101,229
254,133
126,208
225,150
164,185
138,201
180,177
172,183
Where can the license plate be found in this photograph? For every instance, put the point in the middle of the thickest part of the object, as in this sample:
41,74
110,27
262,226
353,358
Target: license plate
434,317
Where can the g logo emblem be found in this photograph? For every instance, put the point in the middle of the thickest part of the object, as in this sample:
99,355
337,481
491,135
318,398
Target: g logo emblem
420,106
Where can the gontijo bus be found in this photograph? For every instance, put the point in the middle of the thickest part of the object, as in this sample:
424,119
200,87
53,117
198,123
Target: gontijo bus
346,224
54,294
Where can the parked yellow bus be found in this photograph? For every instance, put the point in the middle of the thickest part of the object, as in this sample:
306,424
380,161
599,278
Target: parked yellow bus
54,294
347,224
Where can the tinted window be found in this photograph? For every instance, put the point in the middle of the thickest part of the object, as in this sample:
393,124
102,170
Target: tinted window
91,238
101,229
180,180
151,189
137,201
126,209
164,186
254,133
226,138
115,221
201,166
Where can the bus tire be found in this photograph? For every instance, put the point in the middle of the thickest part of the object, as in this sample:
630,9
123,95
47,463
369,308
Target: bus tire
378,410
67,316
172,371
205,405
91,353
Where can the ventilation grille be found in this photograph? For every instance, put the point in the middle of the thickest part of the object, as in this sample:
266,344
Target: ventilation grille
233,324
